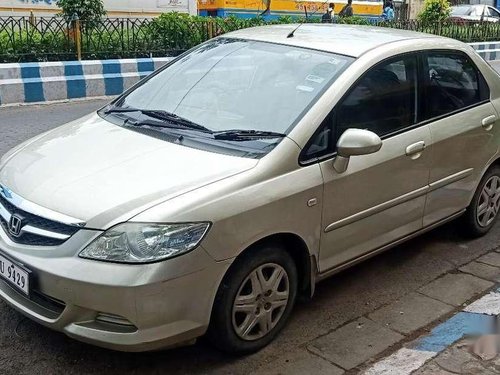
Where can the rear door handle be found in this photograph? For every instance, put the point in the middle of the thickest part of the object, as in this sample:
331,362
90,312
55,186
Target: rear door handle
488,122
415,149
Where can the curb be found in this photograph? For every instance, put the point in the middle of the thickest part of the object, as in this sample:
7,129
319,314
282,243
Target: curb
487,50
55,81
478,318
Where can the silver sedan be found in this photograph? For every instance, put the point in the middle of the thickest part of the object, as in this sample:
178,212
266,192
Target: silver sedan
212,194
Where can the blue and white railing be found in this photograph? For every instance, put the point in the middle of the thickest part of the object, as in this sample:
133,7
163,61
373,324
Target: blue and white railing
487,50
52,81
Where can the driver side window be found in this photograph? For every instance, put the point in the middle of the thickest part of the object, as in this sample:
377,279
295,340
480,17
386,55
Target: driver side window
383,100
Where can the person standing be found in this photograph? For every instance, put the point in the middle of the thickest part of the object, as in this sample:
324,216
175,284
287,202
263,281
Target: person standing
388,13
329,14
347,10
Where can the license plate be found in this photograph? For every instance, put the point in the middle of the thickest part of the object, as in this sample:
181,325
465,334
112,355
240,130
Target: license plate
15,275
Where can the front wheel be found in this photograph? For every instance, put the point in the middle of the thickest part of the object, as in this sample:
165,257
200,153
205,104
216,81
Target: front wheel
254,300
482,213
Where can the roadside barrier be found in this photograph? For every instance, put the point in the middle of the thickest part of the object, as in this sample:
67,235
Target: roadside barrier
487,50
52,81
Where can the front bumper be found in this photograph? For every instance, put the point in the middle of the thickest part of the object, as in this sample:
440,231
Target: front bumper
116,306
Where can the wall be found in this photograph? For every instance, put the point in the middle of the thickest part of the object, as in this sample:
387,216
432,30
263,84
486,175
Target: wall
115,8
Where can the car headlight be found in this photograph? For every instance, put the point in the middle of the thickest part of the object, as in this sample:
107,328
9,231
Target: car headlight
144,243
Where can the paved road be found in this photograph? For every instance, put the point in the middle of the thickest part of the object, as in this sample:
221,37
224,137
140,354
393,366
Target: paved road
27,348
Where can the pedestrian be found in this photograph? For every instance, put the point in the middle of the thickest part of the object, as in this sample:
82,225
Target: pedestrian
329,14
388,13
346,10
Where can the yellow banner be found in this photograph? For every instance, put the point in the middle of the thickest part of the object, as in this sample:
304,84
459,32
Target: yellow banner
282,6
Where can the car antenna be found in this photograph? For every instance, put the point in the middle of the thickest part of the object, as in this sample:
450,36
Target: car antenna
300,24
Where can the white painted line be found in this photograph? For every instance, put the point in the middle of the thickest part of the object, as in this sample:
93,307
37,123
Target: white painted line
489,305
50,64
402,362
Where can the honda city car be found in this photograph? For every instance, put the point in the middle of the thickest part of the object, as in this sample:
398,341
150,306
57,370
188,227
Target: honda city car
210,196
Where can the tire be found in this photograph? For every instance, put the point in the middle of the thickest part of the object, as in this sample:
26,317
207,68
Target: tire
229,319
487,195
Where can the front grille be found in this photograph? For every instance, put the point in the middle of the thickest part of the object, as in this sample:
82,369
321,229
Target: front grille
38,222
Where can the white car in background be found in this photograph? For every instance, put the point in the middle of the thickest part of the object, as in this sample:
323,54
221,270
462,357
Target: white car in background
475,13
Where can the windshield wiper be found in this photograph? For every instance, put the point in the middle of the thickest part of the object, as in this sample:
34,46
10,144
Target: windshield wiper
245,135
160,115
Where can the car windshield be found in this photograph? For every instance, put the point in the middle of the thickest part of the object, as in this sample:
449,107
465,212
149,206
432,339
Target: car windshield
460,11
233,84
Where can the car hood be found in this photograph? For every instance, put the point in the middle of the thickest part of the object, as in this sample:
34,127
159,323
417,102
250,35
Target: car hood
98,172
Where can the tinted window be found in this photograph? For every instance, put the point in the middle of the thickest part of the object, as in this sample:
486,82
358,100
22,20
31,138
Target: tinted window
454,83
383,101
494,13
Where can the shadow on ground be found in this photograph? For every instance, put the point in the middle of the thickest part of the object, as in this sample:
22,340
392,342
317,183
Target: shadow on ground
26,347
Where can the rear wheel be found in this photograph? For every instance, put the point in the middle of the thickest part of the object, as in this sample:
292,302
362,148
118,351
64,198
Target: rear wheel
482,213
254,301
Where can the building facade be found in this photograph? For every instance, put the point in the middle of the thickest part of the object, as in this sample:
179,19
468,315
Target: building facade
115,8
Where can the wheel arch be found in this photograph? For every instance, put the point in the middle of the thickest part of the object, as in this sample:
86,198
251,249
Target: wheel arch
494,162
300,253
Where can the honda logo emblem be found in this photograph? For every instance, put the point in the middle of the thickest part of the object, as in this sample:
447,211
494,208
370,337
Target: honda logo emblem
15,225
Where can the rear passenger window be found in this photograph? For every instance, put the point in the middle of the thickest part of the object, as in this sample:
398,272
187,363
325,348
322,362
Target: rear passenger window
453,83
383,101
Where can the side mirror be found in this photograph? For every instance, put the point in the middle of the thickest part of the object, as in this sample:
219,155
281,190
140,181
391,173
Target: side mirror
355,142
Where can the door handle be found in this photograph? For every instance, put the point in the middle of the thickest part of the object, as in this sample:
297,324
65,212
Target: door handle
415,149
488,122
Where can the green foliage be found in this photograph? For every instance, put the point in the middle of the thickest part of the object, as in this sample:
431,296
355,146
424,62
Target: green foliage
87,10
172,33
31,45
354,20
435,11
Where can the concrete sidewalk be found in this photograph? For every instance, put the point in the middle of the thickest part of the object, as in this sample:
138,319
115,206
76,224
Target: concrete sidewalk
403,336
462,358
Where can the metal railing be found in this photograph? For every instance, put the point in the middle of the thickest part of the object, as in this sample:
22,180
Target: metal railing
51,39
33,39
462,30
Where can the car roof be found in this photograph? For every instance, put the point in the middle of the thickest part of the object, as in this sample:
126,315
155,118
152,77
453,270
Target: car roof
349,40
471,6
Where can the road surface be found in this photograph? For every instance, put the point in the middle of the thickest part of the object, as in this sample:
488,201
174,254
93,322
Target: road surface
372,287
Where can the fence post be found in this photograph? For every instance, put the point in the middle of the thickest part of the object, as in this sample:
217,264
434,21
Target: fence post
210,28
32,18
77,35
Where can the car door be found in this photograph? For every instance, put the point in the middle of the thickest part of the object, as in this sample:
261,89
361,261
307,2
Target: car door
380,197
462,123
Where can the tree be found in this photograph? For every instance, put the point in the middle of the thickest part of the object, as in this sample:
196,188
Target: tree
435,11
86,10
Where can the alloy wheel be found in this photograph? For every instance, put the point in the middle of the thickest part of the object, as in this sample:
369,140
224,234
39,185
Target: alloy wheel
261,301
489,202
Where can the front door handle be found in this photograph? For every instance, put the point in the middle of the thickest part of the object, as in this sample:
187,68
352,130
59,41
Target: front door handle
415,150
488,122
